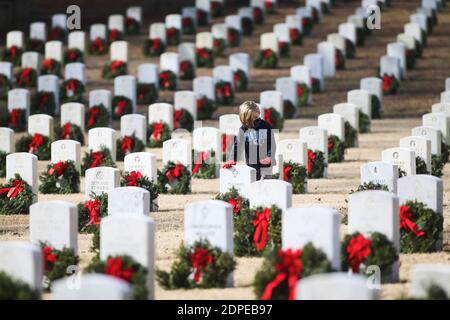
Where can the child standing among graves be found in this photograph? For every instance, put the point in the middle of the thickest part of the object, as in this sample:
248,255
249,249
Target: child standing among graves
257,138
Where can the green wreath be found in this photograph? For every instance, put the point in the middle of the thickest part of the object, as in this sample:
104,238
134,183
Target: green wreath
12,54
154,47
114,69
205,108
350,135
219,47
296,36
132,26
375,106
202,18
183,119
273,117
146,93
364,122
316,164
289,110
420,228
98,47
285,48
5,86
44,102
26,78
97,116
16,119
136,179
376,249
445,151
114,35
127,145
174,179
203,164
247,26
216,8
73,55
93,159
258,15
224,93
266,59
233,37
197,266
339,59
90,213
123,267
240,80
187,70
315,85
14,289
336,149
205,57
307,25
60,178
121,105
16,196
302,95
157,133
3,155
418,48
56,33
51,66
239,204
437,165
310,260
37,144
390,84
173,36
410,58
72,91
167,80
349,49
70,131
188,25
245,233
296,174
36,45
421,166
370,186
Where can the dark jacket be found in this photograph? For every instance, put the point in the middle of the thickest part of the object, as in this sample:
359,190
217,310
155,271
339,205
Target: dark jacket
258,142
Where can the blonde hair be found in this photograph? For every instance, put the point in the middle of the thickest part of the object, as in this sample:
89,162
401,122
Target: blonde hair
246,113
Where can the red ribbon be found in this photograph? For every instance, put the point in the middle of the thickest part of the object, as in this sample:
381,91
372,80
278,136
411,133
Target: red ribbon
126,145
311,157
130,21
267,53
288,266
293,34
203,53
337,58
157,131
156,43
224,90
49,257
286,171
113,34
267,115
230,36
170,33
200,103
119,108
47,64
174,173
299,90
407,224
115,65
58,168
24,77
202,156
200,259
97,159
268,5
236,204
71,87
98,45
176,118
55,33
164,79
14,117
36,142
184,65
72,55
12,52
330,144
186,22
114,267
93,113
66,130
261,224
358,250
387,82
43,101
14,191
93,207
133,178
282,45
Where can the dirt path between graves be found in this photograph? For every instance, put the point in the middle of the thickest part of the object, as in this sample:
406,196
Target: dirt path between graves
417,93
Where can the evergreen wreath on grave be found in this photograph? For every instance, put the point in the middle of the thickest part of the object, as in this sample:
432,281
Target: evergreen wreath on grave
14,289
350,135
173,36
199,265
56,262
56,33
375,107
205,108
315,85
370,186
445,151
359,252
187,70
302,94
157,133
36,45
233,37
16,196
90,212
203,164
154,47
418,49
146,93
410,58
114,69
421,166
390,84
202,18
5,86
3,155
44,102
216,8
364,122
436,292
12,54
26,78
94,159
336,149
98,47
219,47
436,165
296,174
420,228
256,230
296,37
132,26
183,119
205,58
123,267
95,247
60,178
17,119
269,6
188,25
281,270
289,109
284,48
137,179
224,93
247,26
167,80
114,35
73,55
127,145
273,117
174,178
258,15
97,116
349,49
266,59
36,144
121,105
227,144
232,197
240,80
339,59
72,91
316,164
307,25
51,66
70,131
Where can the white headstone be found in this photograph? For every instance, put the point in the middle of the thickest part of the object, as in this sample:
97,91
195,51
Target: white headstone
315,63
425,276
438,121
31,59
204,86
106,137
240,177
281,30
50,83
301,74
25,164
362,99
6,69
413,29
229,124
77,40
186,100
74,113
133,124
137,201
334,124
174,21
316,139
65,150
270,192
158,31
186,52
204,40
240,61
75,70
373,86
135,13
97,31
15,38
223,73
143,162
206,139
327,50
421,146
19,99
41,123
126,86
59,20
100,96
390,66
119,51
380,172
54,50
348,31
398,50
148,73
350,112
432,134
269,41
293,150
170,61
288,88
116,21
161,111
38,31
272,99
101,180
404,158
7,140
178,151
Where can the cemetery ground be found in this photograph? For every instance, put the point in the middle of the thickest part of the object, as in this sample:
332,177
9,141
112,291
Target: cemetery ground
402,112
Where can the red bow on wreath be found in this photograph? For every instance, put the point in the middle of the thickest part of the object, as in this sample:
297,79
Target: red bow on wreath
184,65
286,171
267,115
200,103
24,77
142,91
293,34
299,90
133,178
156,43
115,65
98,45
49,257
97,159
14,191
267,53
164,78
171,32
14,117
93,207
407,224
43,101
157,131
235,203
261,224
203,53
200,259
330,144
358,250
47,64
12,52
224,90
387,82
186,22
55,33
176,117
113,34
129,21
126,145
58,168
120,106
288,266
311,157
72,55
71,87
36,142
66,129
231,37
202,156
337,58
114,267
93,113
174,173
